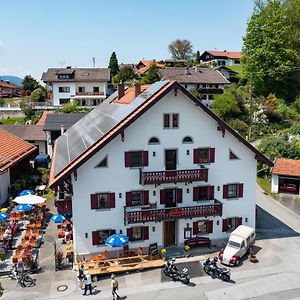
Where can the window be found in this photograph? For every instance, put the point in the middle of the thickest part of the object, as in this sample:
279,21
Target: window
103,163
202,193
138,233
137,198
233,190
96,89
102,200
210,97
232,155
99,236
171,120
81,89
64,100
187,140
187,233
136,159
64,76
230,224
154,141
204,155
64,89
202,227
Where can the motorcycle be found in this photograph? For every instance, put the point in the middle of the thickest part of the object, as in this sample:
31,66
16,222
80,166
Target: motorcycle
211,268
172,271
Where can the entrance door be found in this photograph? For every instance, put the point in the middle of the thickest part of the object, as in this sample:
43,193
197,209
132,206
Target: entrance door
170,198
169,233
171,159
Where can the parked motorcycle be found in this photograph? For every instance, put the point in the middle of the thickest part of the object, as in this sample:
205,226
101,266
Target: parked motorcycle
211,268
172,271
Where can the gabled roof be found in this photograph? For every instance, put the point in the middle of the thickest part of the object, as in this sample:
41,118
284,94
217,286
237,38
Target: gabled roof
9,85
195,75
287,167
42,119
109,119
223,54
54,122
12,150
144,65
80,74
26,132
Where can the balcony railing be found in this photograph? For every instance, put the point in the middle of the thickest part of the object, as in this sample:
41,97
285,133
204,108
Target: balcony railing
89,93
164,214
158,177
210,91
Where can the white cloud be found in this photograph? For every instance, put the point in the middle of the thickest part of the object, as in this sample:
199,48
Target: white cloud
1,44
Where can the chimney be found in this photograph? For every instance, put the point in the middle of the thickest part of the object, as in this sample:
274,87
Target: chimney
62,129
121,90
196,69
69,67
137,89
186,72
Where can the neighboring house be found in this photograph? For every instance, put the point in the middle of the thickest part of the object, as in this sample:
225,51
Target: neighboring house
157,165
228,73
32,134
208,82
221,58
9,89
144,65
14,153
286,176
88,86
56,124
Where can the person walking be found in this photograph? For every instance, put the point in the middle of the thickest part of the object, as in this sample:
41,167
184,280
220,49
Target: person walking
88,283
81,275
114,286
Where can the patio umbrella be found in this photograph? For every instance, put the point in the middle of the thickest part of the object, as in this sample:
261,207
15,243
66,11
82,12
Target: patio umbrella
117,240
23,207
58,218
29,199
26,192
4,216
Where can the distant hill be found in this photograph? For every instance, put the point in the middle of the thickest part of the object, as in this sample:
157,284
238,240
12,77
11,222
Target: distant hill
14,79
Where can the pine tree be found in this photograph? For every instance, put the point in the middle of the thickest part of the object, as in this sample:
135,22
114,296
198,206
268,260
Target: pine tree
113,64
197,58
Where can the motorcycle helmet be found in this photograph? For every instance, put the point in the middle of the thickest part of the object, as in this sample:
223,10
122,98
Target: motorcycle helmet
173,260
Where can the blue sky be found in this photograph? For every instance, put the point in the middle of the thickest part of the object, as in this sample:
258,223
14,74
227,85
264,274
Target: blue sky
38,34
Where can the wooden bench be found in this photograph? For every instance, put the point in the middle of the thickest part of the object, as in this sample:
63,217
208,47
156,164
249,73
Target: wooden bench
198,241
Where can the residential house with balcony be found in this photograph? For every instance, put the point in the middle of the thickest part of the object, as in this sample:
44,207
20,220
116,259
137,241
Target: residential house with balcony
155,163
221,58
208,82
88,86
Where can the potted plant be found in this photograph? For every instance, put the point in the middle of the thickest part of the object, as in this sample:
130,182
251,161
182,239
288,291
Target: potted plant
163,252
187,251
252,256
59,257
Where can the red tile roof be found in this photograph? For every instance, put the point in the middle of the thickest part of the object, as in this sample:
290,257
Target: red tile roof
42,120
147,64
12,150
129,95
9,85
288,167
228,54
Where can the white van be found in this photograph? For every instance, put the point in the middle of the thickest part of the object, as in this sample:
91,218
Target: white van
240,241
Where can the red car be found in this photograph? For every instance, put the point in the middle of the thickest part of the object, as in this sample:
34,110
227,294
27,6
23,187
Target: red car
289,187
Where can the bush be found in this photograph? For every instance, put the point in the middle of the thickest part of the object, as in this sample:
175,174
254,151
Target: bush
240,126
297,104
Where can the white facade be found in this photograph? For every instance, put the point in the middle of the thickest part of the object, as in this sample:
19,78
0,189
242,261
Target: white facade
275,184
83,92
117,179
4,185
226,62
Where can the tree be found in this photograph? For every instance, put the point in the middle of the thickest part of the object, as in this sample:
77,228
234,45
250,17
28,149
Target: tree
271,57
151,76
125,75
181,49
113,64
29,83
70,107
197,58
39,94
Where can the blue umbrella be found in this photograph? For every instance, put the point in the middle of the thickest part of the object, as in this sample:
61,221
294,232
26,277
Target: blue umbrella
58,218
26,192
117,240
3,216
23,207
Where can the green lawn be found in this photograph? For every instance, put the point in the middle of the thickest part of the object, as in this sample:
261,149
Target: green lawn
49,195
11,121
265,184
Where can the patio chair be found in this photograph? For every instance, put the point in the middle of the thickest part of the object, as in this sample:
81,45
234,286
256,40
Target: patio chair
140,251
106,254
15,260
20,247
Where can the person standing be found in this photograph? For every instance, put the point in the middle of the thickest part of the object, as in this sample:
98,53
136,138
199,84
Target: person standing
114,286
81,275
88,283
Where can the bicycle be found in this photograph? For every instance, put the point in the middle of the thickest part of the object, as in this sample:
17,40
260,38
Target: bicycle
22,277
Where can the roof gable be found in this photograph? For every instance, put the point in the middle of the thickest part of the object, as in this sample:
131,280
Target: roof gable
288,167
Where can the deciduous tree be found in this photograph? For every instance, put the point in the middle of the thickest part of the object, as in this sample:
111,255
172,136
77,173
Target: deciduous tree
125,75
181,49
152,75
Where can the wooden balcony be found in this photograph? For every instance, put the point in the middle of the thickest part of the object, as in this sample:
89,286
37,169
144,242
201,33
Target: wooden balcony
89,93
164,214
158,177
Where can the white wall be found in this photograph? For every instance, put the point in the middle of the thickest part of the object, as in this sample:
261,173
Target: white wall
57,95
275,183
116,178
4,185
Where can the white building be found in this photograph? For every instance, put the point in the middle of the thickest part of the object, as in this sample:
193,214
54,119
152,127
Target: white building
88,86
157,165
221,58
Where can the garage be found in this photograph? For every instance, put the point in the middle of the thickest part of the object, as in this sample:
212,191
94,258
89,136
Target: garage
286,176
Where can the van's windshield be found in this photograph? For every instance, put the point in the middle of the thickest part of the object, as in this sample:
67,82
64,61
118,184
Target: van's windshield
234,244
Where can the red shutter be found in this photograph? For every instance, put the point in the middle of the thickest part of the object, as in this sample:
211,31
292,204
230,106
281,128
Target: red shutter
162,196
212,155
112,201
127,159
128,199
195,227
238,221
112,231
146,197
210,226
146,233
129,233
93,201
225,225
211,192
241,190
196,156
179,195
225,191
95,238
145,158
196,191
